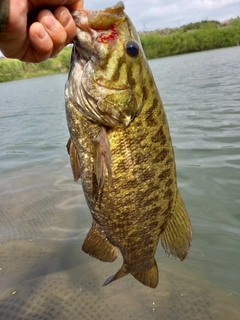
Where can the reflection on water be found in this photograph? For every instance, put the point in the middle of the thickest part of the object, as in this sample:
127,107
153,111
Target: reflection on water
45,275
44,218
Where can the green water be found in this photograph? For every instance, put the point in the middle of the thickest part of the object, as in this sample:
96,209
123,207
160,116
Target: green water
44,217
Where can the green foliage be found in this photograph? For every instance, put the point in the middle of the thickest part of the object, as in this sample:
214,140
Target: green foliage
193,37
11,69
205,24
65,57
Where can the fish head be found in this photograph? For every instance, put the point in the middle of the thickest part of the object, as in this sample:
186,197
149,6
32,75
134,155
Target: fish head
106,75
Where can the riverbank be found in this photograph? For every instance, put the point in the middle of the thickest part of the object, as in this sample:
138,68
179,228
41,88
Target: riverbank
193,37
205,35
12,69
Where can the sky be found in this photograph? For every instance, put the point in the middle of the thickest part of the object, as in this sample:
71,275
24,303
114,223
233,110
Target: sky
159,14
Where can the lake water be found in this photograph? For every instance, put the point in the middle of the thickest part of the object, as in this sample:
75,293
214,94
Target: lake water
44,218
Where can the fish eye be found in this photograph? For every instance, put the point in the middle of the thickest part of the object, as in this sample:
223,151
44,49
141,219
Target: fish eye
132,48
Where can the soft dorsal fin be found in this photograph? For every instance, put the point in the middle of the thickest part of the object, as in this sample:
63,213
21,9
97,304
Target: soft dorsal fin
177,236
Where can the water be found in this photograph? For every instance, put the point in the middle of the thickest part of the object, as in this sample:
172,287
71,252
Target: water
44,217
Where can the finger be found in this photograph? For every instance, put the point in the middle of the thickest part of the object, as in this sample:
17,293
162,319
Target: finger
74,4
41,46
54,29
50,34
65,19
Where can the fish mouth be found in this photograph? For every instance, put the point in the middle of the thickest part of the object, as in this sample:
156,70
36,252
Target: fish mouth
101,19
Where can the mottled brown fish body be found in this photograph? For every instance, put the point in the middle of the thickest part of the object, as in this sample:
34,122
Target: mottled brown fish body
140,202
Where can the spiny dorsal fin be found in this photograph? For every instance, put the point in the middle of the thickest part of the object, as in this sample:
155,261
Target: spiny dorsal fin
177,236
148,278
74,159
98,246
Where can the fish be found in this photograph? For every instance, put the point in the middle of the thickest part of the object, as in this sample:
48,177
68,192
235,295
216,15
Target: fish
121,149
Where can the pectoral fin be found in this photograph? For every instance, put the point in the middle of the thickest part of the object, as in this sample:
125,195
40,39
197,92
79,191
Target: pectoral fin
98,246
102,158
74,159
177,236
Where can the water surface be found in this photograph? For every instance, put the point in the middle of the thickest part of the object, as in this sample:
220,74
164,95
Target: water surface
44,217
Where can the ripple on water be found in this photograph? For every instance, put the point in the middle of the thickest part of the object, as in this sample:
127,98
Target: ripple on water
44,217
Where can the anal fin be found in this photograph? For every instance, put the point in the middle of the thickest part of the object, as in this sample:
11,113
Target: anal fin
148,278
74,160
177,236
98,246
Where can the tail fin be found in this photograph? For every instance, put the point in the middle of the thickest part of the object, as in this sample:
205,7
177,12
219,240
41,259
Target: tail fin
121,273
177,236
148,278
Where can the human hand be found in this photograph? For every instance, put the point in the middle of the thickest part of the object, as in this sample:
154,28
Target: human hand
38,29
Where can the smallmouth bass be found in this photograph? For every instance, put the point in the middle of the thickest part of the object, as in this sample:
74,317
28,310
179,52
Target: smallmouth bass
120,147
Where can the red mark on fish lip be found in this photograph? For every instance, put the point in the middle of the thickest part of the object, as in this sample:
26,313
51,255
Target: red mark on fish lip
104,38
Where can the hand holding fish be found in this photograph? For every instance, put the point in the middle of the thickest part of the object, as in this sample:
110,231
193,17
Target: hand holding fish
36,30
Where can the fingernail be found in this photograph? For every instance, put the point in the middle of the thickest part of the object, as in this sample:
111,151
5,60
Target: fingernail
50,22
42,33
65,18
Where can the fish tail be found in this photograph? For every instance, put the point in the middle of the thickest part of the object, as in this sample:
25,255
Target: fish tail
177,236
148,278
121,273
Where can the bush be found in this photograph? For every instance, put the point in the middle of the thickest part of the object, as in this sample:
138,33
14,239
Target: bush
11,69
198,36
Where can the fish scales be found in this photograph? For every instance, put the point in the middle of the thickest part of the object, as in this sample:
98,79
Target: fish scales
140,202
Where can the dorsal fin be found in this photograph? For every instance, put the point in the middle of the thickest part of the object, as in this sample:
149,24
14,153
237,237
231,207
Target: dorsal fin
177,236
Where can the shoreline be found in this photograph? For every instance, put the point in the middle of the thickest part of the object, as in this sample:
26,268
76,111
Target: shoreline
194,37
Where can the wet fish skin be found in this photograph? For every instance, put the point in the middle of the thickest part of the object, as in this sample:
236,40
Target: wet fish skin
118,128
